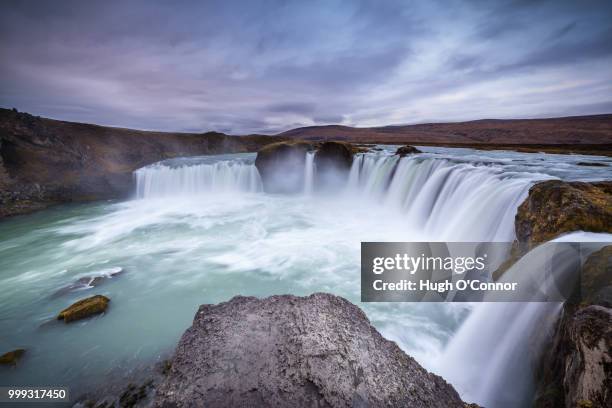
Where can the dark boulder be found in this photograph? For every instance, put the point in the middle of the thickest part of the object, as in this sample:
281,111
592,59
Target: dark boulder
406,150
281,166
556,207
288,351
333,162
336,156
84,308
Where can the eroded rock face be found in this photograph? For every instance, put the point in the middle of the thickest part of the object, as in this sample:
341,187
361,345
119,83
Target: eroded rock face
333,162
84,308
336,156
44,161
588,378
576,368
406,150
287,351
281,166
555,207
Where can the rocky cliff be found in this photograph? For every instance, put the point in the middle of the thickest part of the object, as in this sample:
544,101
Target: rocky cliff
576,368
44,161
288,351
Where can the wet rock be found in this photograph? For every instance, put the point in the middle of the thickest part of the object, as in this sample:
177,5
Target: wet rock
556,207
333,162
84,308
592,164
12,357
577,367
337,156
288,351
588,374
89,282
596,278
281,166
406,150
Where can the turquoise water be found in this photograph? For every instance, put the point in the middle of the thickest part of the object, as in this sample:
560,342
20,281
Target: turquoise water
179,251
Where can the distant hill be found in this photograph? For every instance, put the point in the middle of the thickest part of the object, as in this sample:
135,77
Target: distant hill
573,130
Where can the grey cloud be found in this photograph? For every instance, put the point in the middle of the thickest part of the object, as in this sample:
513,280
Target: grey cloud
266,66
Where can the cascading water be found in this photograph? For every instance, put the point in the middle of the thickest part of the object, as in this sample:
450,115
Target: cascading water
491,358
309,170
443,199
162,180
202,231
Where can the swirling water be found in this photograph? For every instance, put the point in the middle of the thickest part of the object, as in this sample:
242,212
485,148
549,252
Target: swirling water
200,230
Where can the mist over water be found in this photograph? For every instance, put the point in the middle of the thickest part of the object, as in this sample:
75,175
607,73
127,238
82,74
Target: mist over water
201,230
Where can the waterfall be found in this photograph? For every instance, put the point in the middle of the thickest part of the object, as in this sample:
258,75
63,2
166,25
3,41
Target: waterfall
445,200
309,173
491,358
161,180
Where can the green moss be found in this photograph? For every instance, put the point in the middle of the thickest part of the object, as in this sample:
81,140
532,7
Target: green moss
12,357
84,308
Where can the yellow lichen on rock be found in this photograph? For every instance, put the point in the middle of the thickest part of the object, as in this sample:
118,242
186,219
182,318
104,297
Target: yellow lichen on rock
84,308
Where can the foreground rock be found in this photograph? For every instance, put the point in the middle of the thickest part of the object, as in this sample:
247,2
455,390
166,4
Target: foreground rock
84,308
556,207
406,150
577,369
287,351
12,357
281,166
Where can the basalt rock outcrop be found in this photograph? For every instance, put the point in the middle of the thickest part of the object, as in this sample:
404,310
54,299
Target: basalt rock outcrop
556,207
281,166
288,351
406,150
577,367
44,161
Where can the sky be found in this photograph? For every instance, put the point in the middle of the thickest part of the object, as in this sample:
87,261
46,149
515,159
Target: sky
267,66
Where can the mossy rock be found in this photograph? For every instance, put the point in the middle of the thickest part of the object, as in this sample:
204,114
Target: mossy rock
84,308
556,207
12,357
406,150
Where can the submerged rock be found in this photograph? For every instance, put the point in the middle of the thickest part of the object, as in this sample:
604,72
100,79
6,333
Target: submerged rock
12,357
555,207
288,351
406,150
88,282
84,308
281,166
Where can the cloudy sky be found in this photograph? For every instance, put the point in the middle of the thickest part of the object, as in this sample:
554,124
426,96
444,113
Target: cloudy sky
267,66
